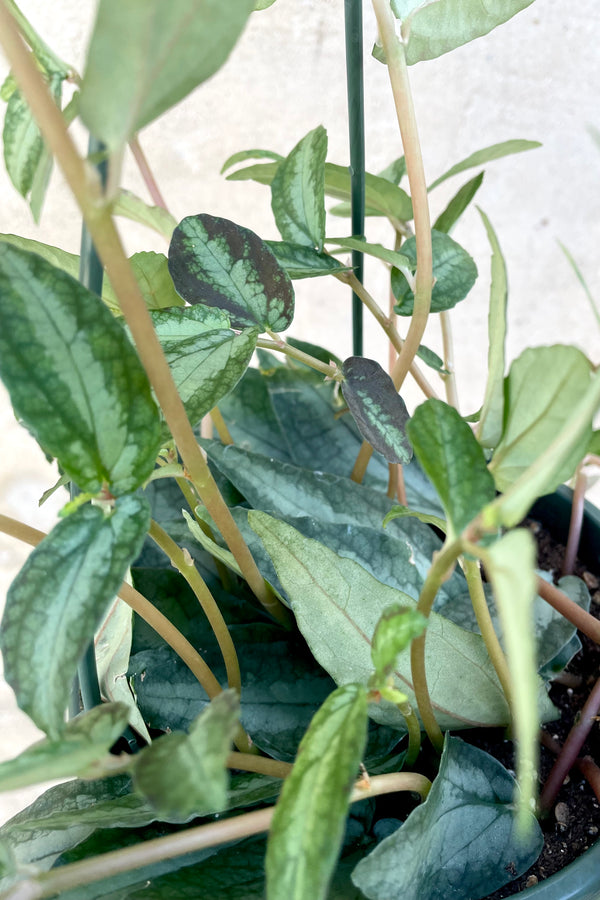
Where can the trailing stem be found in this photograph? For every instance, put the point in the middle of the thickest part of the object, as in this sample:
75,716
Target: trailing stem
206,600
576,521
448,351
443,561
398,72
569,609
87,191
407,350
107,865
151,615
280,345
486,626
571,748
146,173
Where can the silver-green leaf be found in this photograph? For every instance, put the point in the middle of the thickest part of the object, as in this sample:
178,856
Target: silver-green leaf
220,264
298,191
59,598
205,356
308,823
454,272
330,595
73,377
461,842
377,408
436,28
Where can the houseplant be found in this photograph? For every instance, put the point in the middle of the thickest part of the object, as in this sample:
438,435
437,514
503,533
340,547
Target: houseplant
106,432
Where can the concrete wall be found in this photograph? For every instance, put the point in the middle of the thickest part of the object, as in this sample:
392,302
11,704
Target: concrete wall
536,77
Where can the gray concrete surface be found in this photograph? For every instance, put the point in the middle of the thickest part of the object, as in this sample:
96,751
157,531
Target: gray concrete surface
536,77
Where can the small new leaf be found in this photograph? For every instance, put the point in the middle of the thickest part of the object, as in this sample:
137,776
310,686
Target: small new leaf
393,633
308,824
184,774
220,264
377,408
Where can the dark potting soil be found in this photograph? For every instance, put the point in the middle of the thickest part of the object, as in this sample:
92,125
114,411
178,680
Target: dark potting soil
574,823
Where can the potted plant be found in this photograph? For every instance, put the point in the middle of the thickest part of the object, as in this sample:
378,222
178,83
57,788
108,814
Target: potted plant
308,585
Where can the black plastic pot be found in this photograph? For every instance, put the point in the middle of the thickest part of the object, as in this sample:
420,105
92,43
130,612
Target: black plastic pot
581,879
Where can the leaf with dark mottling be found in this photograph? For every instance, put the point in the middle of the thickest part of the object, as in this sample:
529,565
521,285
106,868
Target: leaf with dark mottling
378,409
218,263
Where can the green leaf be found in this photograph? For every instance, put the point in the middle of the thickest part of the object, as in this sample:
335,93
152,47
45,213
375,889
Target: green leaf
218,263
456,207
546,473
300,261
491,421
462,842
151,272
282,687
582,281
381,195
205,356
394,173
73,377
315,437
431,359
436,28
263,4
131,207
144,58
334,596
308,823
393,633
293,491
399,512
59,597
377,408
542,387
63,816
183,774
24,151
233,872
510,566
298,192
251,419
398,260
243,155
400,561
487,154
594,444
86,740
453,460
113,647
454,271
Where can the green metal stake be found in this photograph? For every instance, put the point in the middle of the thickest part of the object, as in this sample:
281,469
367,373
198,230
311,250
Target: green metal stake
91,275
356,120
